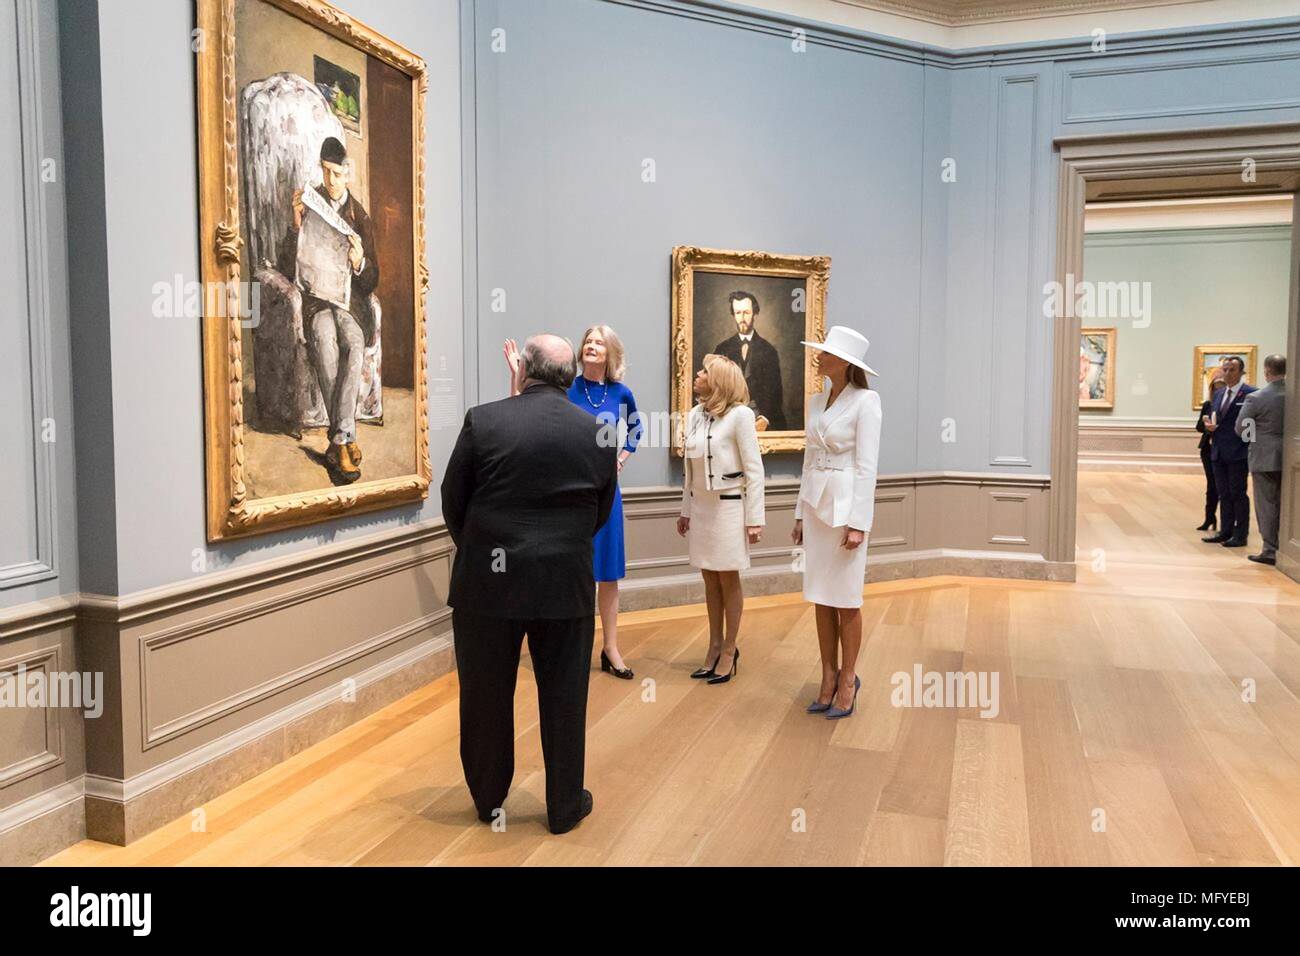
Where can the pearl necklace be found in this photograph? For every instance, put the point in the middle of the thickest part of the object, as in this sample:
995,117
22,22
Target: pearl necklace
595,405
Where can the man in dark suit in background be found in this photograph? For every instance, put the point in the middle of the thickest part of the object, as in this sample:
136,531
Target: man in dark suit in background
1260,425
529,483
758,359
1229,455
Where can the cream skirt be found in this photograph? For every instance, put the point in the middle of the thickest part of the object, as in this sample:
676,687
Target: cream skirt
832,575
717,539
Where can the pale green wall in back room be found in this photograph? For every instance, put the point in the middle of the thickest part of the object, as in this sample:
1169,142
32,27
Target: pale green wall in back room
1226,285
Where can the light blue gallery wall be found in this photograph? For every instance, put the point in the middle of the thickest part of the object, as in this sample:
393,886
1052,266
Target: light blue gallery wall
1208,286
838,150
534,161
754,146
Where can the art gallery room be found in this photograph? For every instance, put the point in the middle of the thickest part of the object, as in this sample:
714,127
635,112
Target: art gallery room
389,379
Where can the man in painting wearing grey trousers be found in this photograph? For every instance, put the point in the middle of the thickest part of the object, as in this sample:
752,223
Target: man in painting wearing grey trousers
1260,426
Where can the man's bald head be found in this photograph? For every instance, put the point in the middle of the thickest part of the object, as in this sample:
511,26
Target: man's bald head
550,359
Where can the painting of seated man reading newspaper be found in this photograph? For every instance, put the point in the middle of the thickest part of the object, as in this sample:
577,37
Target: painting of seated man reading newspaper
329,183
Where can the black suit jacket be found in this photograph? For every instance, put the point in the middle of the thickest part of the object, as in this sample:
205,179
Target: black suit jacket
363,282
527,486
1207,437
762,375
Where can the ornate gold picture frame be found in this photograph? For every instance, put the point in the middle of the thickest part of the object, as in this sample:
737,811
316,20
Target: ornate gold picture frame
1206,358
755,308
283,447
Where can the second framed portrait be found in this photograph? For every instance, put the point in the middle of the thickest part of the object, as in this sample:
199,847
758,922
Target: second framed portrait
755,308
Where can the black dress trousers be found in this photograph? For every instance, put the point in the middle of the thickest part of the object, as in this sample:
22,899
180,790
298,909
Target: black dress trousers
487,659
1234,502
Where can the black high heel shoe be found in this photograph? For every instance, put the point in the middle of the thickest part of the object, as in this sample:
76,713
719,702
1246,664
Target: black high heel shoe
723,678
607,667
1208,524
702,672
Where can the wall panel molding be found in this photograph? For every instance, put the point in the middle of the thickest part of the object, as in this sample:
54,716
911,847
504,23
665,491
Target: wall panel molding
43,564
46,661
1222,84
925,523
1013,201
1139,445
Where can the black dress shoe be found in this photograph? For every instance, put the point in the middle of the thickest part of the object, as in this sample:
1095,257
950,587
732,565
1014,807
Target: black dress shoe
1217,539
1235,543
585,812
1262,558
1207,524
607,667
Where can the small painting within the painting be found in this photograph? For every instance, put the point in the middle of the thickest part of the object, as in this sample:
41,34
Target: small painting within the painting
342,89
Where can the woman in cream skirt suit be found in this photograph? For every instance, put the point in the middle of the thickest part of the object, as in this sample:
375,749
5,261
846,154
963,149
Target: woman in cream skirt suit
837,494
722,503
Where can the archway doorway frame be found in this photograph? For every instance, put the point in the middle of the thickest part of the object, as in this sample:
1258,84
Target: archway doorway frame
1168,164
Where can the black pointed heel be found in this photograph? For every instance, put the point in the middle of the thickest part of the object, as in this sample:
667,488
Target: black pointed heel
607,667
735,666
1209,523
702,672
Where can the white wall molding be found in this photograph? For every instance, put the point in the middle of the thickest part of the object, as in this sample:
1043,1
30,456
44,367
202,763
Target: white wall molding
43,564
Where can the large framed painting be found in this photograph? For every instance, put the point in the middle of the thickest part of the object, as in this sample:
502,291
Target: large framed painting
1097,368
311,168
1206,360
755,308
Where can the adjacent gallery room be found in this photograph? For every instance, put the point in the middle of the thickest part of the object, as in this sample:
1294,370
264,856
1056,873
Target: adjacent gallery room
656,433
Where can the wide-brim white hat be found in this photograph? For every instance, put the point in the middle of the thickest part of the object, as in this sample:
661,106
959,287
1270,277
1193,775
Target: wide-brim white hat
847,344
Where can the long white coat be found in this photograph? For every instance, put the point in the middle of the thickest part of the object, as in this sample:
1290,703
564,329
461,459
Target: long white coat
841,454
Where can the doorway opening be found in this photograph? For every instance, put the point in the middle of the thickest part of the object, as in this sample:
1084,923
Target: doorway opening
1175,250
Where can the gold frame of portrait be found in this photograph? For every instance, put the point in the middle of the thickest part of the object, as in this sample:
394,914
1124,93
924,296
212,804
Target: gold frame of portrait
815,271
230,512
1248,352
1112,341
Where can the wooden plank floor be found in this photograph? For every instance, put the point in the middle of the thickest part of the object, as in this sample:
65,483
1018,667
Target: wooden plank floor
1122,735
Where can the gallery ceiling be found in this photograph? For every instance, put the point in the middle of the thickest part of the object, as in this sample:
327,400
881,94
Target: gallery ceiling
955,13
960,24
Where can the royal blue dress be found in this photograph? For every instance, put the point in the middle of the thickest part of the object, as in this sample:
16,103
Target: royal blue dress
610,402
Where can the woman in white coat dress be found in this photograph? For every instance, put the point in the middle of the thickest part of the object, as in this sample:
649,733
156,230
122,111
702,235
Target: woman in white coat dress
833,515
722,503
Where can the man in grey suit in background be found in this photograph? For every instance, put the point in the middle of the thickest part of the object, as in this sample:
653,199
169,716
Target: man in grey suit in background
1260,425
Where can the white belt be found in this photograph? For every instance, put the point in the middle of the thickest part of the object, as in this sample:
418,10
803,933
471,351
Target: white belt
826,461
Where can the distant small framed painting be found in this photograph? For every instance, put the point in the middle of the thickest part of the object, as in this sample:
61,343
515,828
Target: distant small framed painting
1097,368
1208,359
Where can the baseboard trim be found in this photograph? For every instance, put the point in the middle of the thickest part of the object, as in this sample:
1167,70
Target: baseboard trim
43,824
39,804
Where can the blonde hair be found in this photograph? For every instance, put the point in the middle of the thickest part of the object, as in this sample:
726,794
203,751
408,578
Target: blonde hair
727,387
614,366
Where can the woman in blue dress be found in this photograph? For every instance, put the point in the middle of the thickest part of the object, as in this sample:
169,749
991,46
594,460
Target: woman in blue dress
598,388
